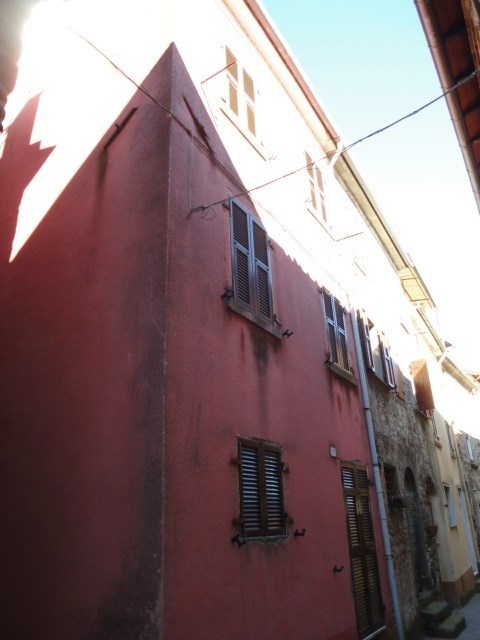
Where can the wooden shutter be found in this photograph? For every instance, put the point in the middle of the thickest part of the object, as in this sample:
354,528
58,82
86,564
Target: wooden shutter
261,490
232,79
250,490
330,318
399,382
274,514
241,255
248,87
341,334
387,362
261,271
364,325
423,389
363,559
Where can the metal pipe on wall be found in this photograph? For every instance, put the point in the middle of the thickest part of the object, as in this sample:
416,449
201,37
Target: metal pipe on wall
376,475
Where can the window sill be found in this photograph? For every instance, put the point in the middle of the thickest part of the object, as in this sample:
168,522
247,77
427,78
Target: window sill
319,218
264,539
246,313
249,137
437,443
380,380
342,373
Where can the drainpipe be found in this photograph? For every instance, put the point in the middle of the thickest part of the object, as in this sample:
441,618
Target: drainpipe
376,475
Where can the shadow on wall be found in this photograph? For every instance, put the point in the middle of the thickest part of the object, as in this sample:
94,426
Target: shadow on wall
83,323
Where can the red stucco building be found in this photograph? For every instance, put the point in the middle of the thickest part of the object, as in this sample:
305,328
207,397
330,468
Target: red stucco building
185,451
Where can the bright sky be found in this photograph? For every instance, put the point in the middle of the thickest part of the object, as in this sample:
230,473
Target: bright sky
370,64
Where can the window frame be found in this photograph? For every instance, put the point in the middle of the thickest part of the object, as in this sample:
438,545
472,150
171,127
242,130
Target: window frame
450,506
240,81
317,191
336,334
252,290
387,361
365,327
265,488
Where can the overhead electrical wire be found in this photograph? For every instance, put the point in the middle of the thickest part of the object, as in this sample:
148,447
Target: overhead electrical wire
298,169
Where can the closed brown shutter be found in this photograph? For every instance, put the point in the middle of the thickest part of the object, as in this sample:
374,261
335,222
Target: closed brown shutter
274,517
241,255
363,558
261,490
341,334
423,389
250,490
330,318
262,276
366,341
252,284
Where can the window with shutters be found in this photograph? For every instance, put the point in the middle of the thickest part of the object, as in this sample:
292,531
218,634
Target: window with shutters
365,327
316,200
261,489
252,287
450,506
336,331
240,93
387,362
363,556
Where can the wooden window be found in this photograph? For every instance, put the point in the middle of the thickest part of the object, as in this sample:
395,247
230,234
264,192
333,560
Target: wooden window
423,389
252,288
363,556
387,362
450,438
365,326
240,92
315,180
390,477
261,491
336,331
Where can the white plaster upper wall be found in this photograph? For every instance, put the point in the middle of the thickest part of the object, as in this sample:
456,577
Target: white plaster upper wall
283,137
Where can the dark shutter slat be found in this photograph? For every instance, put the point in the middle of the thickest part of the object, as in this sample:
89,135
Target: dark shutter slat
332,341
342,341
360,595
240,226
327,299
273,490
260,243
366,520
242,278
339,314
250,490
374,594
362,479
263,292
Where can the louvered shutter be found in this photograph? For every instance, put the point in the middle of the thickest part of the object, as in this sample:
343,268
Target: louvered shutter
366,341
242,284
363,559
261,490
330,318
388,374
423,389
250,490
248,87
232,79
261,272
341,335
399,384
274,516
